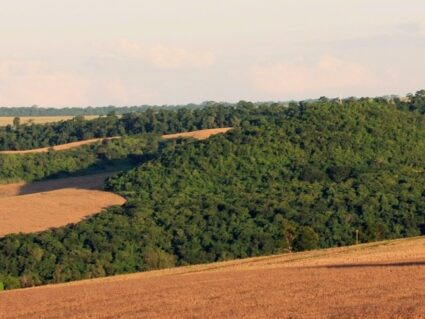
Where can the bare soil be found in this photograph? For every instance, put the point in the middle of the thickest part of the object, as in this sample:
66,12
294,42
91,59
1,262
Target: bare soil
42,205
61,147
381,280
199,135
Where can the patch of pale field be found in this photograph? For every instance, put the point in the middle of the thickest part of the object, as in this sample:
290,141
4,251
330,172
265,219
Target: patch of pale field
379,280
199,135
8,120
39,206
61,147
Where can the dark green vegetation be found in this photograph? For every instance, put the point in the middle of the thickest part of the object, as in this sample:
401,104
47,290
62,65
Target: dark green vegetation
116,154
77,111
287,179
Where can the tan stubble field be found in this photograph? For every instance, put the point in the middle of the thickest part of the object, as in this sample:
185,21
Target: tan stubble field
382,280
38,206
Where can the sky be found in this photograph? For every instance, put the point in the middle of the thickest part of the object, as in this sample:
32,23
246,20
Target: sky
134,52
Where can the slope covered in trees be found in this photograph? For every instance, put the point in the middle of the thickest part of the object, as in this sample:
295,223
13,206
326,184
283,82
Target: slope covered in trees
297,179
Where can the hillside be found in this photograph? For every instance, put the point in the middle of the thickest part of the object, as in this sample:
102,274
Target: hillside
307,177
379,280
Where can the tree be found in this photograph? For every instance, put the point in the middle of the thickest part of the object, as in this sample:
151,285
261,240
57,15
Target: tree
16,122
307,239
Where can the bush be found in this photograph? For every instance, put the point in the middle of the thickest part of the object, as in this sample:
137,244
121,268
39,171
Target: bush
307,239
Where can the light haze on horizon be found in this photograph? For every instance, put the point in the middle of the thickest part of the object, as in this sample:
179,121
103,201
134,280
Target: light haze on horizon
129,52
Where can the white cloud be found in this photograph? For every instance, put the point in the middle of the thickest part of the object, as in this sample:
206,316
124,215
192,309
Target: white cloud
24,83
29,82
162,56
329,74
421,28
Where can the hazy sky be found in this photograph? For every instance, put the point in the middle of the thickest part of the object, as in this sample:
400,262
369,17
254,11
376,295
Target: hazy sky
132,52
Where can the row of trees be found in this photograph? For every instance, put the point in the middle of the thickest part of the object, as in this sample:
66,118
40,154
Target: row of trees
81,111
287,180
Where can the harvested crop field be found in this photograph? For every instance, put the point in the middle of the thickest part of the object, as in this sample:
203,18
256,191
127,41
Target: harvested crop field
8,120
199,135
380,280
61,147
41,205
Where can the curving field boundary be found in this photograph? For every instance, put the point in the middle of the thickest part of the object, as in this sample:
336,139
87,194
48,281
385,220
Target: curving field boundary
61,147
378,280
38,206
199,135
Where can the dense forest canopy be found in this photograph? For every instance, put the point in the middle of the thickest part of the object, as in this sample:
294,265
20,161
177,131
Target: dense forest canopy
164,120
285,179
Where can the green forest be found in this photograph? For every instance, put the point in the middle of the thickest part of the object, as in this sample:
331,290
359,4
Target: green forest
292,178
28,136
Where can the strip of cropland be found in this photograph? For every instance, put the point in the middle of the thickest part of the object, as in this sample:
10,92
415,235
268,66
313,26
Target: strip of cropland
42,205
366,281
61,147
199,135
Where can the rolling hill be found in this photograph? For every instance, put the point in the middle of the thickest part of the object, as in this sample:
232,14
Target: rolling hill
304,178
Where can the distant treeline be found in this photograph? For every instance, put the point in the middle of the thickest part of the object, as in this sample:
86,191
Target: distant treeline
285,179
81,111
101,110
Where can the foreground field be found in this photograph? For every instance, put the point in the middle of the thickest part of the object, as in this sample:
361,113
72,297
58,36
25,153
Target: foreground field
199,135
61,147
8,120
381,280
38,206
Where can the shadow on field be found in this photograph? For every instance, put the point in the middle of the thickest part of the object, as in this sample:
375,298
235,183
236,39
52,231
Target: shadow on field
95,181
373,265
92,177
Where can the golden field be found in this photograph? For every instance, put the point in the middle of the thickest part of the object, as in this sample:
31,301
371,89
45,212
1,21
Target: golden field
41,205
199,135
379,280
